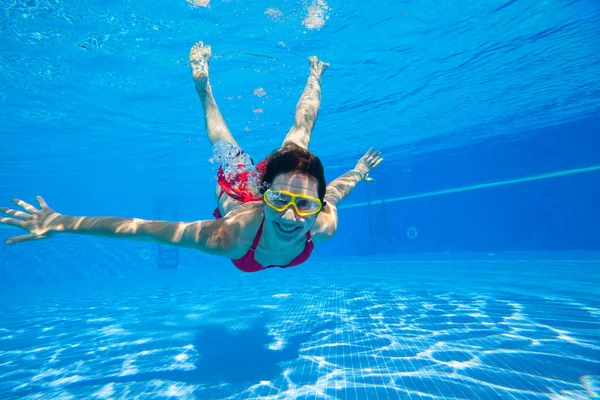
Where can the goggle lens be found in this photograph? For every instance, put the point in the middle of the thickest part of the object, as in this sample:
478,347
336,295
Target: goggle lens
281,199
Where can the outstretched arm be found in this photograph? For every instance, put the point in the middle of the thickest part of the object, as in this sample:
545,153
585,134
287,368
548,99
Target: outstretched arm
207,236
327,221
341,187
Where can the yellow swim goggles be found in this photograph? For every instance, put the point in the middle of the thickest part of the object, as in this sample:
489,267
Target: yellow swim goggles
280,200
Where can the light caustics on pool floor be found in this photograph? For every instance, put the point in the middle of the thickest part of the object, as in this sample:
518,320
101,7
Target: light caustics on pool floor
314,340
531,178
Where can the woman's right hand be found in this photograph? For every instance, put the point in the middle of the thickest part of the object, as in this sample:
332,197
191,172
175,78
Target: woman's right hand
37,222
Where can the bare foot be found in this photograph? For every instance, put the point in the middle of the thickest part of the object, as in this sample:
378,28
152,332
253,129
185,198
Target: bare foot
317,67
199,58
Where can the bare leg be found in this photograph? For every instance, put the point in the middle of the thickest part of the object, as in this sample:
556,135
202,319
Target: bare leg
216,129
308,106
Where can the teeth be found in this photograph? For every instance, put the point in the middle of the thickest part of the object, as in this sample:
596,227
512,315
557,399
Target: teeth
287,229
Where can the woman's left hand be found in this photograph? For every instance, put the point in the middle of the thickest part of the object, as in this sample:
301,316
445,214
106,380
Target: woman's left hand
367,162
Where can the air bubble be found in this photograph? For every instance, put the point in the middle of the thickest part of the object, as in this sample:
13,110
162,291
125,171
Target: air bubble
411,233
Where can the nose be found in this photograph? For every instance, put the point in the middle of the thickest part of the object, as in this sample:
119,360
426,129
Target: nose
289,214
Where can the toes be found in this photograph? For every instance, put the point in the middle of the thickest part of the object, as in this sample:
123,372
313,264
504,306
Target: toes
317,66
198,45
201,48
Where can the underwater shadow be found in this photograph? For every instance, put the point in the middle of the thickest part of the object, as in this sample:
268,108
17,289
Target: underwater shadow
242,357
232,358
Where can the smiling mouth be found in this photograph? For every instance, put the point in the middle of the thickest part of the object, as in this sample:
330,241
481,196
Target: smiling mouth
287,230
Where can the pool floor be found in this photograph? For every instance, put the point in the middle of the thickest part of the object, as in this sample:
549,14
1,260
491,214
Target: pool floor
354,329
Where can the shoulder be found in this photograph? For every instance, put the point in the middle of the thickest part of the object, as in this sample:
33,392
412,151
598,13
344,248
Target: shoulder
240,226
245,214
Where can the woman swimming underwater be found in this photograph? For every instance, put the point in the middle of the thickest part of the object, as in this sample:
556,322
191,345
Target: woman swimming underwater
268,215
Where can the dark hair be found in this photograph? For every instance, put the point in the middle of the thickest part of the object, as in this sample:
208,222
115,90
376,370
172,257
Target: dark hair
293,158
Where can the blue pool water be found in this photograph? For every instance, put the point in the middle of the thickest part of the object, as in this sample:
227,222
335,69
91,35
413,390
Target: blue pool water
473,328
469,270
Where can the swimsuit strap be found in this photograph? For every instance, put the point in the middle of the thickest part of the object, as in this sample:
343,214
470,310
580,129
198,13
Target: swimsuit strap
257,237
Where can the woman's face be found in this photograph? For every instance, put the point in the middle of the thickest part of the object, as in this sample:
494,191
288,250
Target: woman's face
287,224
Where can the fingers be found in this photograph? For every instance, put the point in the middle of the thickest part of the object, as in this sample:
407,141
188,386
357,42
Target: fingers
42,202
371,159
24,205
12,222
16,214
375,161
19,239
372,154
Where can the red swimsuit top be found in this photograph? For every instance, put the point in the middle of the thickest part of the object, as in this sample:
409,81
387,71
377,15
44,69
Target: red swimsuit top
248,264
